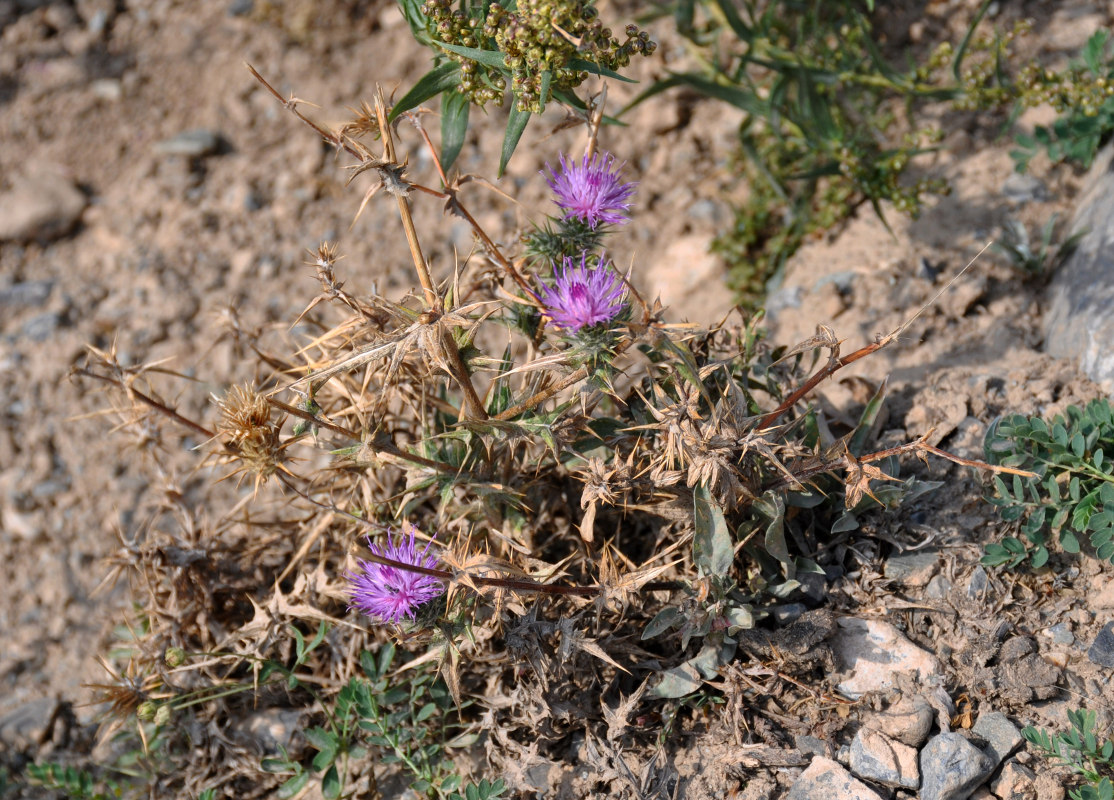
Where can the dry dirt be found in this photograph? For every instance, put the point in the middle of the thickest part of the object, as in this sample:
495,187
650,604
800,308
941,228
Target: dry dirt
168,244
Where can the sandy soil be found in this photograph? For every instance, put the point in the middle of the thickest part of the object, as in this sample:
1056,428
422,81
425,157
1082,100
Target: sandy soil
171,248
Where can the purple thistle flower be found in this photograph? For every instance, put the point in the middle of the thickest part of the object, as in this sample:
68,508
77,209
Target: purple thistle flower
583,295
388,593
592,190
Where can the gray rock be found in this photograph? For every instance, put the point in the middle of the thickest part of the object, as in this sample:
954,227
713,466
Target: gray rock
827,779
40,206
1102,650
952,768
28,294
194,143
1079,324
1015,782
876,757
978,582
1001,736
27,726
1021,189
874,652
788,613
938,588
41,326
912,569
813,746
908,720
1061,634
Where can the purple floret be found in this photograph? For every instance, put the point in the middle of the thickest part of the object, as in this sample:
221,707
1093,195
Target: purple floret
391,594
584,295
591,190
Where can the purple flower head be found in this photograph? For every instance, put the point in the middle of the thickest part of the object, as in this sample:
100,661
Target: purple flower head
584,295
388,593
592,190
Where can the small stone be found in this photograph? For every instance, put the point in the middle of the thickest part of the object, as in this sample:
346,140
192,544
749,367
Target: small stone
876,757
27,726
977,583
1001,736
107,89
1021,189
272,731
1102,592
874,652
827,779
938,588
41,326
28,294
813,746
195,143
240,8
913,570
41,205
1015,782
787,614
908,720
1102,650
1060,633
952,768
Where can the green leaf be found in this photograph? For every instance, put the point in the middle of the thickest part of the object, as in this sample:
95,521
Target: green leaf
439,79
293,786
712,547
1040,557
330,784
489,58
664,620
1078,446
677,682
454,126
580,65
1069,542
772,506
516,124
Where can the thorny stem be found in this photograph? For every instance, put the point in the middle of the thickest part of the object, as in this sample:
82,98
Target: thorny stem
379,448
433,302
920,445
835,363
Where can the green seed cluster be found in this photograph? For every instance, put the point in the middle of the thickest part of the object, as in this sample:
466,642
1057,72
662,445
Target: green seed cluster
1076,90
537,36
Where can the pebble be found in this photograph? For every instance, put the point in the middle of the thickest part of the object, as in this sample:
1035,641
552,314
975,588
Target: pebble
978,582
40,206
827,779
873,652
195,143
876,757
913,570
908,720
1102,650
938,588
28,294
240,8
1001,736
787,614
952,768
813,746
1015,782
1021,189
27,726
1061,633
41,326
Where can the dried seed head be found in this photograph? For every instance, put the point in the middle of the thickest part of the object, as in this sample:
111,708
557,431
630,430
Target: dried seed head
247,426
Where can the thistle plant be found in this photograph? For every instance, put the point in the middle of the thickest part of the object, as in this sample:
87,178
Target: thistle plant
599,468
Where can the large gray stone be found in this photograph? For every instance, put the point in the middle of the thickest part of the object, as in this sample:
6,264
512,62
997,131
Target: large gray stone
876,757
1002,736
874,653
952,768
1080,321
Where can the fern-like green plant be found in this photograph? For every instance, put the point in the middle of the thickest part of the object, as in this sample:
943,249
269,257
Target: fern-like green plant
1081,749
1072,493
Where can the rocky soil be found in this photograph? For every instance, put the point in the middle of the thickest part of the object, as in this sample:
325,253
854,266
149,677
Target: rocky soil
153,196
